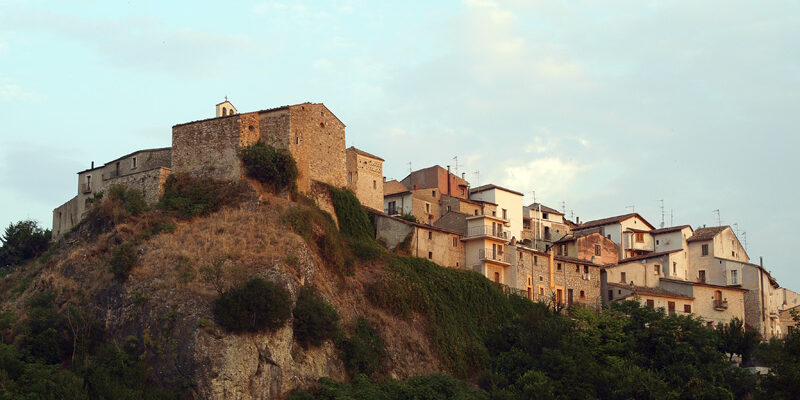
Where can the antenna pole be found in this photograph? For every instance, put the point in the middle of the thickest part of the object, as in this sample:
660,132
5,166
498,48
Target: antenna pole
662,212
719,219
410,170
632,207
456,162
670,218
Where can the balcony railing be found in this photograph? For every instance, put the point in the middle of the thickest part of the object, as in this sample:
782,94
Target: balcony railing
720,305
86,188
488,231
392,211
492,255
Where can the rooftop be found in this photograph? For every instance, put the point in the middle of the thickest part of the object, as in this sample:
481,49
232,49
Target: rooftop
490,187
647,256
651,291
669,229
363,153
535,206
706,233
611,220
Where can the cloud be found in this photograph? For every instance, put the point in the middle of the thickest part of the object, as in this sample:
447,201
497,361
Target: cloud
135,42
322,63
10,91
551,177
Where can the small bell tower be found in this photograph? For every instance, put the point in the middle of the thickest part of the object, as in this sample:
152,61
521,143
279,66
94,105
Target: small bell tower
225,108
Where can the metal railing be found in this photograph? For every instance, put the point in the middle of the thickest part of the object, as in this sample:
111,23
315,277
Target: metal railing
720,305
392,211
487,231
493,255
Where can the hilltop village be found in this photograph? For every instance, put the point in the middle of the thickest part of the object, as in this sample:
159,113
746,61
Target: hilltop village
532,249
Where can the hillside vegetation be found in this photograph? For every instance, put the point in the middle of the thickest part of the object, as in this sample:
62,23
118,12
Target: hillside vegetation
231,290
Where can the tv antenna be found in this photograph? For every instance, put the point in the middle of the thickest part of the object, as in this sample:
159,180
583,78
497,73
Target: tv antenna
632,207
456,166
564,207
477,174
744,240
662,212
409,168
719,219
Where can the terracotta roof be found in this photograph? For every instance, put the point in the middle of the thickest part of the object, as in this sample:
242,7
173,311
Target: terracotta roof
637,230
575,260
393,187
732,287
364,153
651,291
646,256
535,206
669,229
565,238
610,220
706,233
491,186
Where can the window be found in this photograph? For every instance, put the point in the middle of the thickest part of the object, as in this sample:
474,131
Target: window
671,307
656,269
733,254
430,235
585,269
705,250
734,277
701,276
583,294
530,294
374,184
541,291
639,237
559,251
134,162
476,212
597,249
622,277
687,308
497,277
494,213
559,266
427,207
462,192
541,278
349,176
559,296
578,268
674,268
297,139
608,236
455,241
430,255
433,193
535,260
656,241
505,214
544,215
651,303
611,295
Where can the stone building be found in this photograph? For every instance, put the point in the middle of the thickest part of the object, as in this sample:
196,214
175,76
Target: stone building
628,231
593,247
145,170
311,132
365,177
442,246
543,226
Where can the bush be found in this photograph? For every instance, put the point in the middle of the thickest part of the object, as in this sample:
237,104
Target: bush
364,351
315,320
132,200
353,220
317,228
186,196
123,258
23,241
257,305
271,166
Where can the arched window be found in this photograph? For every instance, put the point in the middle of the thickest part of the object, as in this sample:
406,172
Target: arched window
224,111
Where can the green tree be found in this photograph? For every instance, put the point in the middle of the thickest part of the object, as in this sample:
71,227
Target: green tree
23,241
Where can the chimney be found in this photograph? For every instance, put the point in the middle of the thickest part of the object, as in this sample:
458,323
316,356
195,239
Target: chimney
384,179
463,175
448,180
577,220
92,165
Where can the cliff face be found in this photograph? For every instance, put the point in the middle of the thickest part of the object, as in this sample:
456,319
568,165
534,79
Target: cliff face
167,300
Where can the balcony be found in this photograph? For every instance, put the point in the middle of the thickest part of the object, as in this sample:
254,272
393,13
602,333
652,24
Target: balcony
487,231
392,211
493,255
86,188
720,305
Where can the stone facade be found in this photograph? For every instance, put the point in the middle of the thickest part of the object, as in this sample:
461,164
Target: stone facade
545,277
313,135
365,177
435,244
145,170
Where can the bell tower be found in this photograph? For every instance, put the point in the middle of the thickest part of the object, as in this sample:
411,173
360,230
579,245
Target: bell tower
225,108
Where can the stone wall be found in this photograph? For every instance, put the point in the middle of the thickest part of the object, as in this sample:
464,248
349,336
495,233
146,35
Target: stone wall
453,221
321,149
442,247
208,148
65,217
150,183
585,249
365,179
549,274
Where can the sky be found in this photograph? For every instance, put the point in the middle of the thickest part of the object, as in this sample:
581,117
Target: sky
596,107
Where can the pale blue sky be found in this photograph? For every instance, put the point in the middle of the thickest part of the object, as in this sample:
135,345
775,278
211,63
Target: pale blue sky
601,105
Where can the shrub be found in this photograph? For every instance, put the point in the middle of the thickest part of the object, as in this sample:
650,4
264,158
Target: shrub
353,220
315,320
364,351
23,241
317,228
130,199
186,196
255,306
271,166
123,258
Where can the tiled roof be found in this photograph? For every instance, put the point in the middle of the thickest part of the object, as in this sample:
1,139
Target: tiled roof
669,229
423,226
610,220
646,256
393,187
127,155
575,260
651,291
535,206
363,153
706,233
491,186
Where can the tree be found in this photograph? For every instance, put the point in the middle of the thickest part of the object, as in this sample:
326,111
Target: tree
23,241
735,339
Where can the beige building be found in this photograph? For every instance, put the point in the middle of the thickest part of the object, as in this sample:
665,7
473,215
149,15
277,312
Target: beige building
365,177
311,132
593,247
542,226
628,231
442,246
146,170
